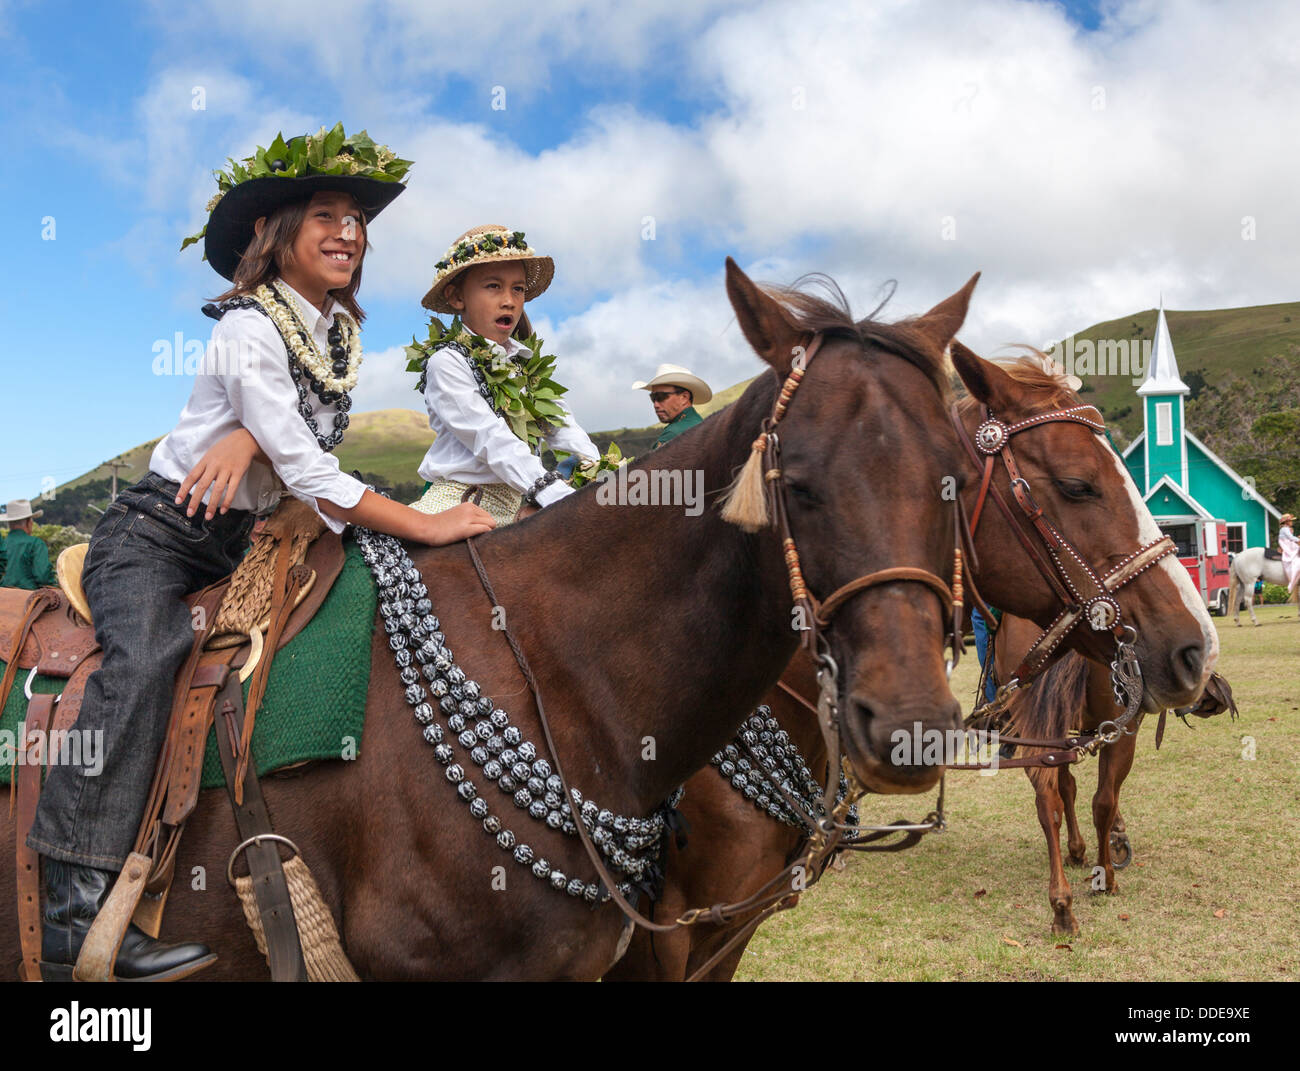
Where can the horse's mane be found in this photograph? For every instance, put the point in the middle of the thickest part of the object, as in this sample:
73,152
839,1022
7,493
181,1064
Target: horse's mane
1047,390
829,313
1046,709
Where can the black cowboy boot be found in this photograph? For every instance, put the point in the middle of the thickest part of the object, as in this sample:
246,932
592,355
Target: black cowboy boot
73,897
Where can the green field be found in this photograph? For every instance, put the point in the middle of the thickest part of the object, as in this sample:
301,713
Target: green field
1211,832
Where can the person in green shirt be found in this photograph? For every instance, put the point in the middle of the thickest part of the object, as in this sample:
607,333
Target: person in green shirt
28,557
674,392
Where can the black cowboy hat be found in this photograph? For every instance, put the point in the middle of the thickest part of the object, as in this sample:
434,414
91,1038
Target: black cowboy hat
231,225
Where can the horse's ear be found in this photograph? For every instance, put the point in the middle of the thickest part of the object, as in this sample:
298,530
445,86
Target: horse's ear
942,322
984,379
765,323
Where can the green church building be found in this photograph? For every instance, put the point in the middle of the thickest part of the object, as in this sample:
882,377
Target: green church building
1183,482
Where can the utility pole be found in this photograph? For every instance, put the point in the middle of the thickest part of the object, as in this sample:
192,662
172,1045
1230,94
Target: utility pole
115,464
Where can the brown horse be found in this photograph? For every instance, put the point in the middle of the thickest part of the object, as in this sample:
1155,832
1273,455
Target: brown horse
1076,694
734,849
651,633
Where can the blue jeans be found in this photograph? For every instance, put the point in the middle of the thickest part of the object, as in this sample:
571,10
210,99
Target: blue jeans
981,629
145,556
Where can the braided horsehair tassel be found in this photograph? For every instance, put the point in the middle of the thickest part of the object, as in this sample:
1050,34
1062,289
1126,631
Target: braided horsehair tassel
746,502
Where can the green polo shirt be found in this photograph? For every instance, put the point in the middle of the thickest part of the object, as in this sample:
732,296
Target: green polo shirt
687,418
29,562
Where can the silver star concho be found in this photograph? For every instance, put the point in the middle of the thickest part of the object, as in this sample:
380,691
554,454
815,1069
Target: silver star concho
991,436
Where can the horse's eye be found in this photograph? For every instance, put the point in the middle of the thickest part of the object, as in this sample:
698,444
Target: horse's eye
803,493
1077,490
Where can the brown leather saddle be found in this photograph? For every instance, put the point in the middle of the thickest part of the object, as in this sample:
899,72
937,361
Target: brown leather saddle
44,631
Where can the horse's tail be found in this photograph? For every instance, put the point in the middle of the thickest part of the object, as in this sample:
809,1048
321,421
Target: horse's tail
1056,698
1234,585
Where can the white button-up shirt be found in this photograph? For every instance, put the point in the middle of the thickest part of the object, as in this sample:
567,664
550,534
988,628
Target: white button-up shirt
474,444
245,381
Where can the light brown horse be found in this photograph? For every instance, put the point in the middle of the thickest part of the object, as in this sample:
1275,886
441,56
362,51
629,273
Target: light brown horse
1076,694
651,633
1076,478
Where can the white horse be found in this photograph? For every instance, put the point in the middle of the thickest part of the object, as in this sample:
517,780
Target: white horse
1246,568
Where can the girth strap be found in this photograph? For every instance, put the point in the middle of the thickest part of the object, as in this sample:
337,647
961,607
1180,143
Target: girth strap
40,712
270,888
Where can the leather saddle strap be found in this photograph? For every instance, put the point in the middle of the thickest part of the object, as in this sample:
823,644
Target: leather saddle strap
184,778
40,712
270,889
38,602
283,596
207,603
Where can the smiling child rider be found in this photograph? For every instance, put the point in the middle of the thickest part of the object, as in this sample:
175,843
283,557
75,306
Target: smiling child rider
288,229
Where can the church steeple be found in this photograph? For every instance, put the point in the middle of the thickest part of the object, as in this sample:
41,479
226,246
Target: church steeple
1162,394
1162,373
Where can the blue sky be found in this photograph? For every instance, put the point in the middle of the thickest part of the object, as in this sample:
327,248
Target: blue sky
822,136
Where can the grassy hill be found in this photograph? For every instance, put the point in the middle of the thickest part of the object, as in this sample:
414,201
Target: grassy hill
1208,345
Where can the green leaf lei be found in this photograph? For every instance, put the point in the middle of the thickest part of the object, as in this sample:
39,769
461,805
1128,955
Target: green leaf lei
521,388
324,153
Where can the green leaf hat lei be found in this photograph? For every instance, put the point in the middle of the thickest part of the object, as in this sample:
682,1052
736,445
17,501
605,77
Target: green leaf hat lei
327,160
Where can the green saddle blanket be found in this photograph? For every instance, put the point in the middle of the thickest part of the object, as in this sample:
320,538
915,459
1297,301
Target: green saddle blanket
315,701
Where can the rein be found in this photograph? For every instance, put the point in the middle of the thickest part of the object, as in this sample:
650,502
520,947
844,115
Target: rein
1083,592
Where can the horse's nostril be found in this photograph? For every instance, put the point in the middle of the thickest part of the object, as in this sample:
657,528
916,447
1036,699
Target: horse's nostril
1188,665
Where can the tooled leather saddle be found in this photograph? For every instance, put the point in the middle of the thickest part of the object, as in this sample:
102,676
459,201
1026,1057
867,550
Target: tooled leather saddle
43,632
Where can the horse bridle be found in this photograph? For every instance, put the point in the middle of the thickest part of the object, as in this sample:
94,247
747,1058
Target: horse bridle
817,614
1084,593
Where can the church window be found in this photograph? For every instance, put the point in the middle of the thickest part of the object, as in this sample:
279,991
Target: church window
1164,424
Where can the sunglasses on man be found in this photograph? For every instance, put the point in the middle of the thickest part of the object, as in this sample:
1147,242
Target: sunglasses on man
659,395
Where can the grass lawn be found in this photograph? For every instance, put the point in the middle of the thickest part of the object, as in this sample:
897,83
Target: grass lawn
1211,893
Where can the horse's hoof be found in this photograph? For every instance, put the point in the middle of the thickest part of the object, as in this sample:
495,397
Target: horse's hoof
1121,850
1112,888
1079,860
1068,928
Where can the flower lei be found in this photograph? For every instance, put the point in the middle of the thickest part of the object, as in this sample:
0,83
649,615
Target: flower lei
323,153
331,383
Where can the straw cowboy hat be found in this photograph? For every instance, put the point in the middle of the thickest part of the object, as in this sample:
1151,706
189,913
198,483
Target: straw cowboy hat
19,510
489,244
674,375
1286,518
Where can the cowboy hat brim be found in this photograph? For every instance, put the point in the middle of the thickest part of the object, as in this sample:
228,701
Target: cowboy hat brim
33,515
231,225
700,392
538,273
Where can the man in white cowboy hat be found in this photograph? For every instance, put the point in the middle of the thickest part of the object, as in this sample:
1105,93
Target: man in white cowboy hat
674,392
28,557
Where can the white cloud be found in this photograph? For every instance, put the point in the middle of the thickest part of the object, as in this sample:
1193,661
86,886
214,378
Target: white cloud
1084,173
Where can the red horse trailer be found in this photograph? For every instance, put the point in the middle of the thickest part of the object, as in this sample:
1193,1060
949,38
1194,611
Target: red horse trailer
1203,550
